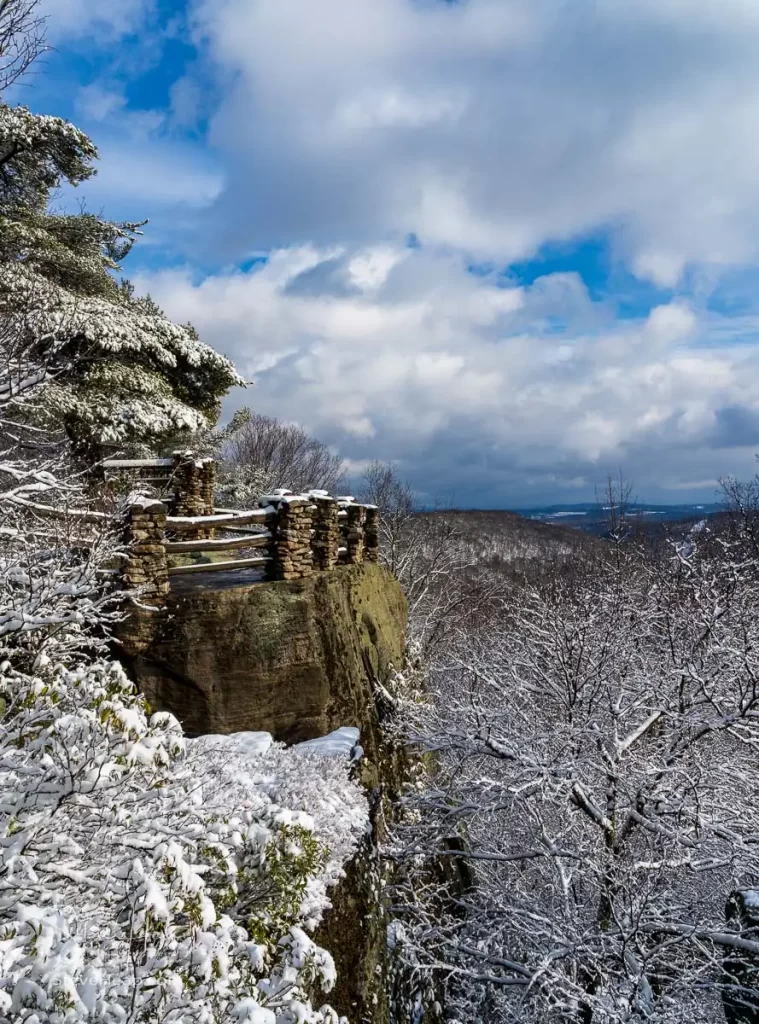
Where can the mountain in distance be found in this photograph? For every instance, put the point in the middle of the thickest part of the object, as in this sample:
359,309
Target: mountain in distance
520,540
593,517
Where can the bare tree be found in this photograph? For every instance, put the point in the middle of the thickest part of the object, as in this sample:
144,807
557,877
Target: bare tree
381,486
421,548
741,508
596,771
616,500
22,39
261,453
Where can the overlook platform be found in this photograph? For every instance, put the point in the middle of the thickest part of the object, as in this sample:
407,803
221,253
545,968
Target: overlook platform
176,539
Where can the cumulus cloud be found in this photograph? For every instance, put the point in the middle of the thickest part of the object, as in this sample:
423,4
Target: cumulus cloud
404,354
337,129
491,125
76,18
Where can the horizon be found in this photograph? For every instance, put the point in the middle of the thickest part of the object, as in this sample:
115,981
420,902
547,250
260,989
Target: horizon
585,506
506,245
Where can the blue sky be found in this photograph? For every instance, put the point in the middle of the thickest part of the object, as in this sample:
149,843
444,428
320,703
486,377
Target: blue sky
506,244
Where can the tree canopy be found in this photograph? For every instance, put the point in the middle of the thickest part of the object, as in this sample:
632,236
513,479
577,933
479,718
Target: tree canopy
120,372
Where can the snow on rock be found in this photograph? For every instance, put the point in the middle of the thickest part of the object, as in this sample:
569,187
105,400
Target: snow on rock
239,742
343,742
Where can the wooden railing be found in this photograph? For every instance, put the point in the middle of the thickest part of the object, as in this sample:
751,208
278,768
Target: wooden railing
293,536
289,537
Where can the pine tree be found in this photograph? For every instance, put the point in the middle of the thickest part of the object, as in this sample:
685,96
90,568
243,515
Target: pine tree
120,372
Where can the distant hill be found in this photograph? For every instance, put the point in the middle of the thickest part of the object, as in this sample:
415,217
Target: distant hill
593,518
509,539
522,541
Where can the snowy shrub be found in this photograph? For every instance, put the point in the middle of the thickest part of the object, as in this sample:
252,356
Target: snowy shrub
143,882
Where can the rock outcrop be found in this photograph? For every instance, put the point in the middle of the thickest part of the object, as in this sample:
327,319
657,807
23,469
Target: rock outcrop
298,659
295,658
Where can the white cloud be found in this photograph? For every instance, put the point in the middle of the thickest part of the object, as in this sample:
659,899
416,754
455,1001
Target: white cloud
159,172
143,164
106,18
95,102
400,363
492,125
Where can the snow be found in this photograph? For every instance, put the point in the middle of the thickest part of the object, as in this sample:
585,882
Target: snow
250,743
343,742
136,463
121,837
281,496
221,519
144,502
133,389
750,899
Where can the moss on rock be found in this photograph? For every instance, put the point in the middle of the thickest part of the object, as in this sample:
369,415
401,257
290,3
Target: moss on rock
294,658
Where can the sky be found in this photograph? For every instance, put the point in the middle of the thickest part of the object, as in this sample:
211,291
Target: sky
508,245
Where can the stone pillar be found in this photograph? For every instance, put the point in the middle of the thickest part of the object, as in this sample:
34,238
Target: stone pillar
326,537
371,533
194,489
292,558
146,566
354,536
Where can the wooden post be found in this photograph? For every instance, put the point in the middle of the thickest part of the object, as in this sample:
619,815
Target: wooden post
146,566
326,538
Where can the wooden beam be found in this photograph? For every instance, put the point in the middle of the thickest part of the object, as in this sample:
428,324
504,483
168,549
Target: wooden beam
136,463
252,540
241,529
184,524
237,563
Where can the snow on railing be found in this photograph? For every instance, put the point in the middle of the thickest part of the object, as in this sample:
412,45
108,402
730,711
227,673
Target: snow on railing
290,536
298,534
138,463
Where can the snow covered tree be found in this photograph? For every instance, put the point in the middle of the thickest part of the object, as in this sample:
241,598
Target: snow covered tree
143,878
594,798
124,373
420,547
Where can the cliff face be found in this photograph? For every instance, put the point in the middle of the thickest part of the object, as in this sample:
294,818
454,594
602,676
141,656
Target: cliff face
297,659
294,658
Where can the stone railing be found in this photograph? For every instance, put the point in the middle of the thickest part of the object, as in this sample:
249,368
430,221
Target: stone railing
295,536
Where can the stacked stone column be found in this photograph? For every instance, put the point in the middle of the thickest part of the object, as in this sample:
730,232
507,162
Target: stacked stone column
371,533
292,557
194,489
326,533
146,567
354,533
